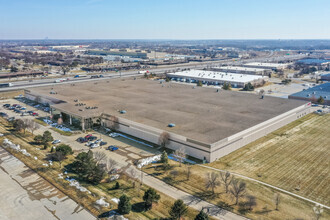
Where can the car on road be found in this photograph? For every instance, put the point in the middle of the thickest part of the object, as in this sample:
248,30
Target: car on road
112,148
113,134
56,141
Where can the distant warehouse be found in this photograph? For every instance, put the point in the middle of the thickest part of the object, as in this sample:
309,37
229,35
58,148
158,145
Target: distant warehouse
314,93
216,78
272,66
243,70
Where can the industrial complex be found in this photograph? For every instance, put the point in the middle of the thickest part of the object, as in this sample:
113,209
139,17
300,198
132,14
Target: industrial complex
206,123
272,66
314,93
216,78
242,70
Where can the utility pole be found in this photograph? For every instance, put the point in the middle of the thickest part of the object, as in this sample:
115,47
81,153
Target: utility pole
141,176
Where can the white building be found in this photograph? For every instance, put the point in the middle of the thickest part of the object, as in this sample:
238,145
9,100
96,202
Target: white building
216,78
241,69
273,66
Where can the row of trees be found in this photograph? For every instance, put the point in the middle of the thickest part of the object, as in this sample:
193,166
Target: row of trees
178,209
20,125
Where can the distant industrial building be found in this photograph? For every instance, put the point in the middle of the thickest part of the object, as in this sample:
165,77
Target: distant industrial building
21,74
272,66
242,70
325,77
216,78
314,93
205,123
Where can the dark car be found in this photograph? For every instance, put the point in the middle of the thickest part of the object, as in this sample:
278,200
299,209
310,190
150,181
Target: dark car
92,138
103,143
3,114
82,140
6,105
112,148
88,136
30,112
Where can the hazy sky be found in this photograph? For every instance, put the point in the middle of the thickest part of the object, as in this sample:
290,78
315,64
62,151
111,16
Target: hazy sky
165,19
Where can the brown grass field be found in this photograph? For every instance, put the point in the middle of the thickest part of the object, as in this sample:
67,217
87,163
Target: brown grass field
295,158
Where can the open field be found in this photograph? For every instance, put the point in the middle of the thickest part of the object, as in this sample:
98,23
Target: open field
295,158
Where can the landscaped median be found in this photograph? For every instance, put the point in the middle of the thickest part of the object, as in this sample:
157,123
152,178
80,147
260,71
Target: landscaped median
87,194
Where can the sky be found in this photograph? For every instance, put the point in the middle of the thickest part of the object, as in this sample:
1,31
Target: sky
165,19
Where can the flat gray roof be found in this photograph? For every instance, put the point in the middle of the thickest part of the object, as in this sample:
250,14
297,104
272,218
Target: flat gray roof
201,114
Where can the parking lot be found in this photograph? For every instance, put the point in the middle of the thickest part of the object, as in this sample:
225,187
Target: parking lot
128,150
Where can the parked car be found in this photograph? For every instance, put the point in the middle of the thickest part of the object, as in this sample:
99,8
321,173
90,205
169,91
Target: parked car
3,114
112,148
95,145
11,119
98,140
35,114
23,108
103,143
6,105
114,171
56,141
25,114
30,112
92,138
88,136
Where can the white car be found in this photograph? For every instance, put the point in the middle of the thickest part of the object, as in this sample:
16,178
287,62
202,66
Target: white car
94,145
56,141
113,134
98,141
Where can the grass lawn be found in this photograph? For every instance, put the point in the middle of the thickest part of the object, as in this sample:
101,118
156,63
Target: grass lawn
294,158
101,190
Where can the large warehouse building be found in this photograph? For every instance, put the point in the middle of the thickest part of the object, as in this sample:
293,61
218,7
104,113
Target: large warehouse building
242,70
207,124
216,78
272,66
314,93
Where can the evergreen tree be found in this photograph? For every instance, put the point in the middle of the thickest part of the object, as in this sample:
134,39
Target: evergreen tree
202,216
38,139
47,137
320,100
178,210
124,205
164,157
150,197
65,149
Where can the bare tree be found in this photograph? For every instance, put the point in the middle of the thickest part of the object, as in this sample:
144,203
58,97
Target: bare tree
33,126
237,189
59,156
318,210
111,164
251,201
277,200
164,139
212,181
188,171
226,180
180,155
99,156
133,174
